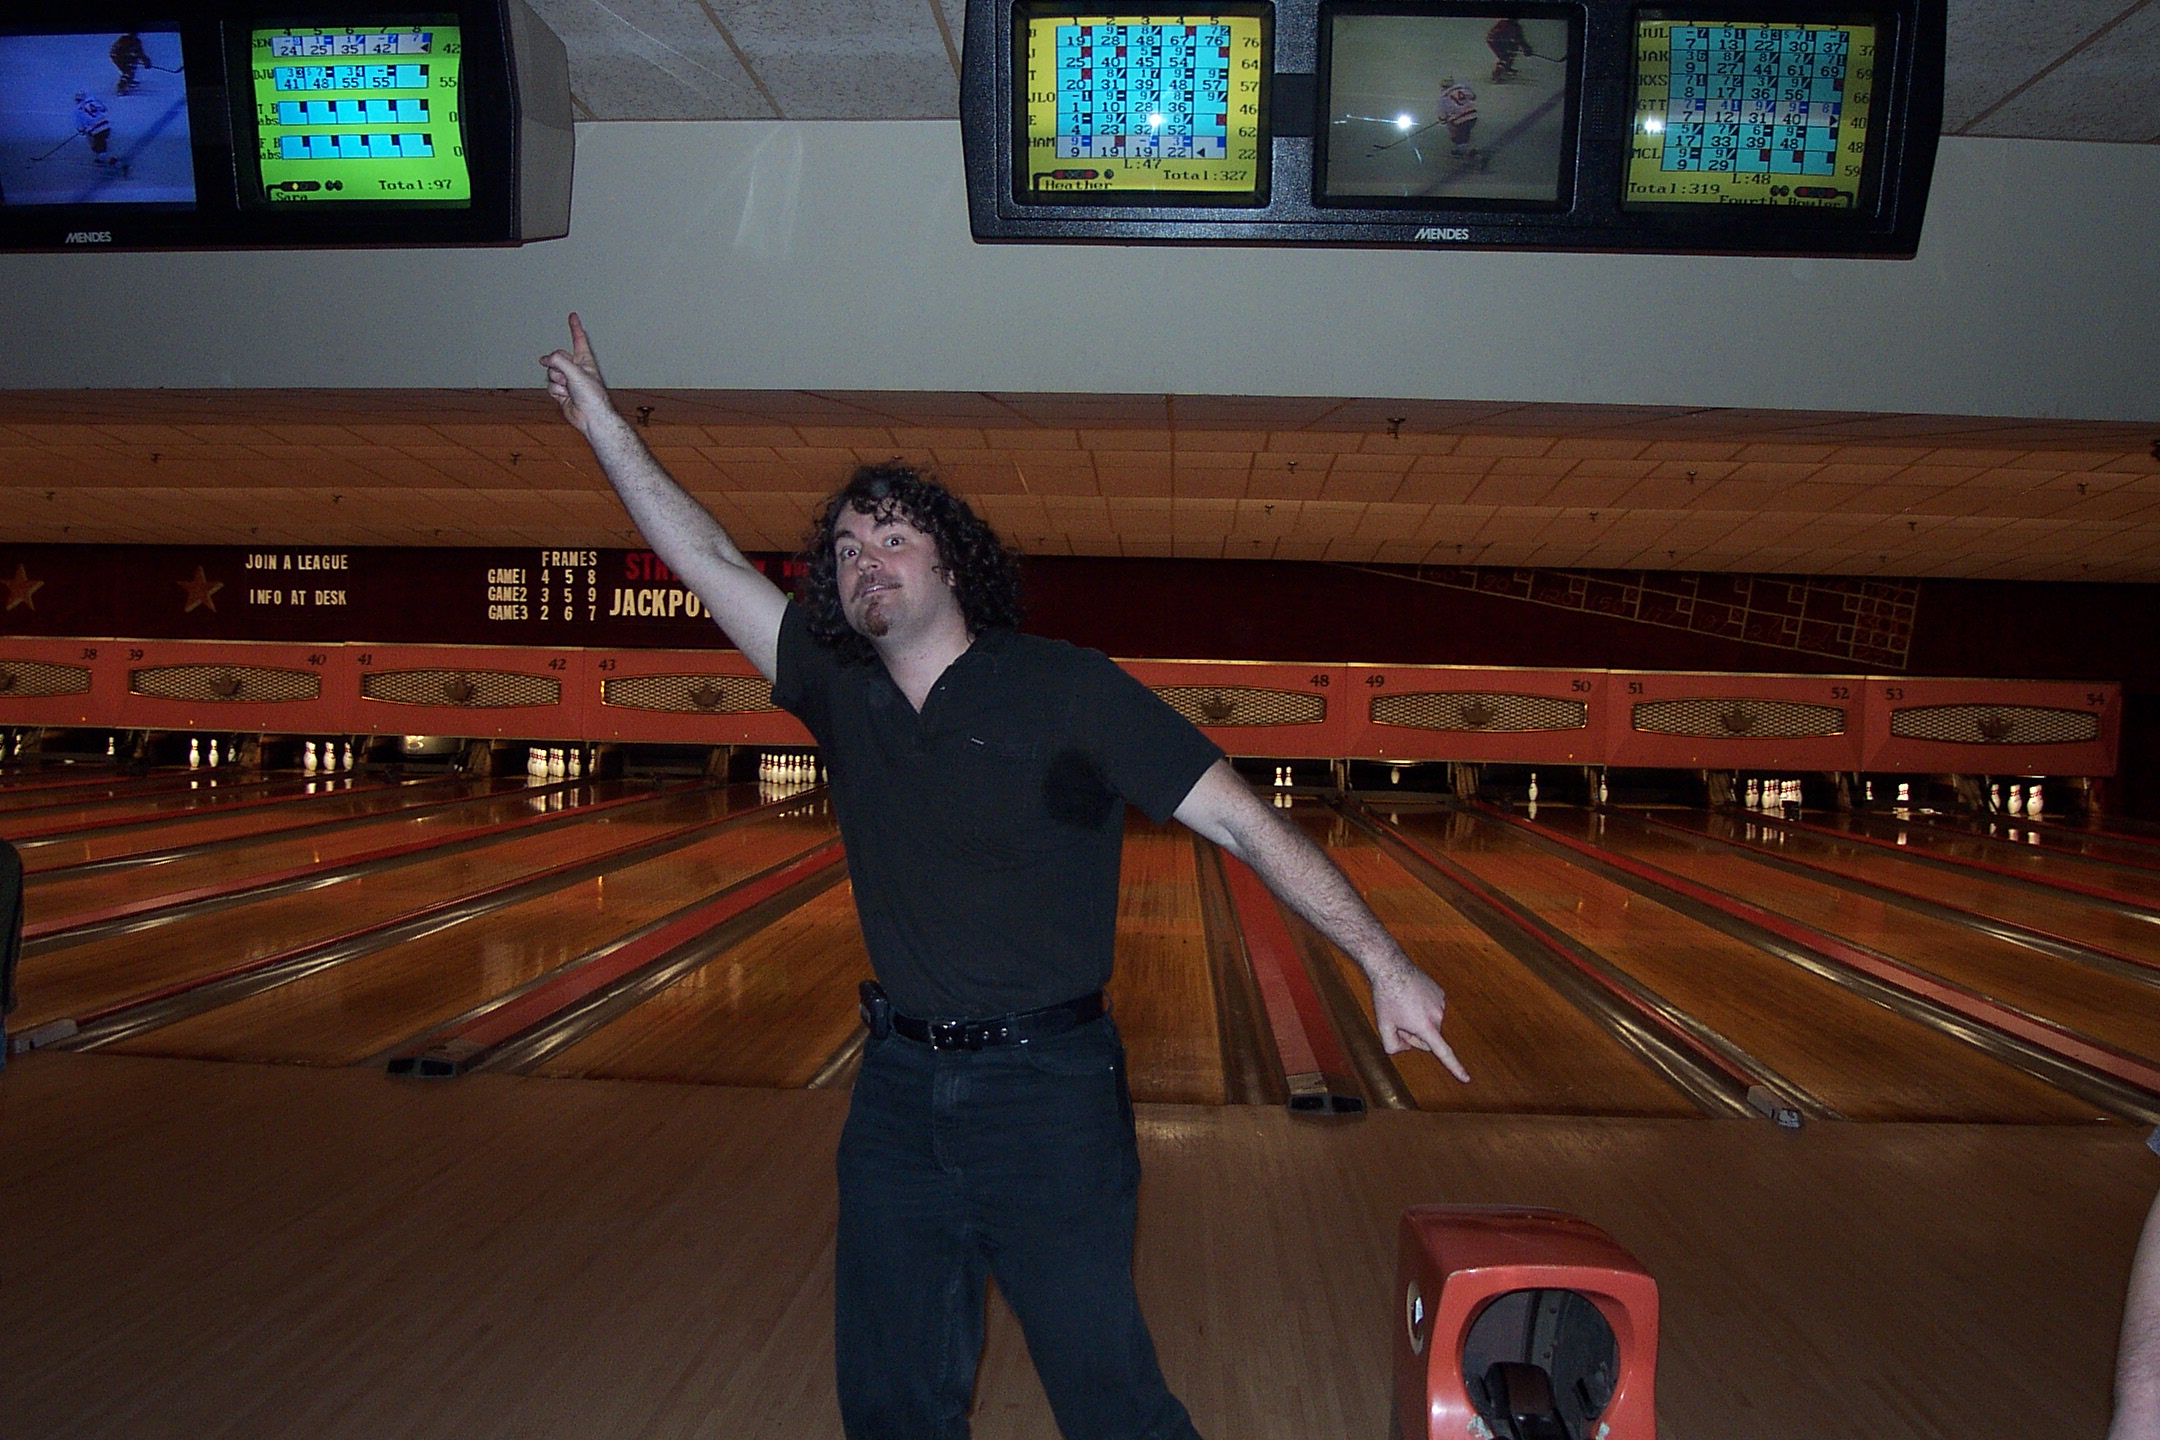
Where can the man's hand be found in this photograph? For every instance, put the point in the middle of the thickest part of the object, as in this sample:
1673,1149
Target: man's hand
1408,1006
574,381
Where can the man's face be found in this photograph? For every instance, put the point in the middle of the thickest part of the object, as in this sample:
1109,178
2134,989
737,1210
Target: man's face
891,578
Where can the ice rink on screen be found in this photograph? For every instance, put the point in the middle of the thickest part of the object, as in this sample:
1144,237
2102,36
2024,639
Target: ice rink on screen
39,75
1386,68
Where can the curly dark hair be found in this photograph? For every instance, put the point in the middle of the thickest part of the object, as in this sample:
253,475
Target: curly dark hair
986,574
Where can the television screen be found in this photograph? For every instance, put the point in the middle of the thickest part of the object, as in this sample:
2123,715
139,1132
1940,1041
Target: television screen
349,114
1750,113
1443,107
95,119
1129,108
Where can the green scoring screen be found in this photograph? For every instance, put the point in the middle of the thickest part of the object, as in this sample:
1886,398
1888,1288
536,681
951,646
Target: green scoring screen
359,113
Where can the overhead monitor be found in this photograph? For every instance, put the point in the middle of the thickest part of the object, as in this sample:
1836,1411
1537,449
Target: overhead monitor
1458,106
1143,106
1751,112
357,115
1747,126
95,118
236,124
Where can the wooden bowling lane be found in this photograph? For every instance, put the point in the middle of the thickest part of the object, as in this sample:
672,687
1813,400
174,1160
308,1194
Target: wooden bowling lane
342,798
362,1007
83,979
1973,852
2051,839
1528,1050
484,805
2107,1007
196,799
2105,929
768,1011
17,805
1161,990
1864,1061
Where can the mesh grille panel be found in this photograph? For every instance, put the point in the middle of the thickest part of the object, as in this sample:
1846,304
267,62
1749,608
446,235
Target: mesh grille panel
471,689
698,694
25,679
255,683
1482,710
1238,705
1995,724
1739,719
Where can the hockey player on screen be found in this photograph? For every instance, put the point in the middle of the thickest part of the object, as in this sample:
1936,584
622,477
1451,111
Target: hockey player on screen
1458,111
92,123
128,56
1506,41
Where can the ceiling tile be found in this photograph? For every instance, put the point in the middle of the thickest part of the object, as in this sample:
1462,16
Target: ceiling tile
651,60
2105,91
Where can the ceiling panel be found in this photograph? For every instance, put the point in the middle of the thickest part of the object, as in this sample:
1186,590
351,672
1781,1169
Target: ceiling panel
2110,90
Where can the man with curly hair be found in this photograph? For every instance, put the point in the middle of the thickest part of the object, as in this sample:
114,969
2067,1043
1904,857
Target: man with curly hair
980,777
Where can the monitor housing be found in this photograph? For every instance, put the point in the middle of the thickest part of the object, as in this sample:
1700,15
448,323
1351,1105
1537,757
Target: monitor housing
287,125
1751,127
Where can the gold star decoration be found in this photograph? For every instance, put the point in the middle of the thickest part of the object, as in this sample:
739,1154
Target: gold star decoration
22,590
200,591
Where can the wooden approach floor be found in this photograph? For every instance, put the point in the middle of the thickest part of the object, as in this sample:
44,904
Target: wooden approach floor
209,1250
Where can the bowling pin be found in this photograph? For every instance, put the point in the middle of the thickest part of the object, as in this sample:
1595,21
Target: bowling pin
1533,787
194,754
112,747
1995,798
348,756
1904,792
1602,793
556,767
308,761
2017,799
577,763
213,752
2032,802
1868,789
1754,794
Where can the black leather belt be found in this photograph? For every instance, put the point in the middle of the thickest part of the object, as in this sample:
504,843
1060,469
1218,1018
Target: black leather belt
1014,1029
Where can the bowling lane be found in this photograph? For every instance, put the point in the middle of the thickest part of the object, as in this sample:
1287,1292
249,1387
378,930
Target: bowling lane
53,796
1160,990
2109,1008
488,803
1528,1050
766,1012
2139,887
1864,1061
2052,839
362,1007
2065,916
193,800
332,799
80,979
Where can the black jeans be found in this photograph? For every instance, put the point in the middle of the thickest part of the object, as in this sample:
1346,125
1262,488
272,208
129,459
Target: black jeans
1016,1162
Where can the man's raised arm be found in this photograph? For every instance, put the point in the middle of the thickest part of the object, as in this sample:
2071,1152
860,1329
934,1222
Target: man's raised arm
681,532
1407,1004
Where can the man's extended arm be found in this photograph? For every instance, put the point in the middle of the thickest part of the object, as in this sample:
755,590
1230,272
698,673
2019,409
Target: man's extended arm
2137,1360
1407,1005
682,532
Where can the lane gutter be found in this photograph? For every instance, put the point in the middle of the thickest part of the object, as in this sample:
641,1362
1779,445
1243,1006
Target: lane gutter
524,1027
150,912
181,1000
2101,1075
1252,1070
2111,962
1702,1064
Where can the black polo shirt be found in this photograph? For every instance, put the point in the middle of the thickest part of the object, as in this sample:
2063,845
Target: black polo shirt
983,833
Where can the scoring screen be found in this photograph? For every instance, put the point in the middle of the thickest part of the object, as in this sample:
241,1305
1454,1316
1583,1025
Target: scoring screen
359,113
1750,113
1119,107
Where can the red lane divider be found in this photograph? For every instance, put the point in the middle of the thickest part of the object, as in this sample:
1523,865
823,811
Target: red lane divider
151,904
1530,925
2009,872
1822,869
180,817
550,998
2046,1034
1313,1059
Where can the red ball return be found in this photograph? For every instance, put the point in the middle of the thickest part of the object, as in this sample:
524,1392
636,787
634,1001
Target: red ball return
1517,1323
